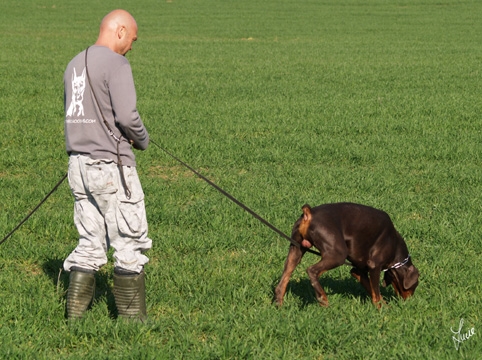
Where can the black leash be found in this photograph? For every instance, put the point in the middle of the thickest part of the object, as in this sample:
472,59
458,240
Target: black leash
236,201
225,193
34,210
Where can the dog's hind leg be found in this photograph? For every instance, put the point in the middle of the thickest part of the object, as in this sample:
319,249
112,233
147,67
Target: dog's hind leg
294,257
328,262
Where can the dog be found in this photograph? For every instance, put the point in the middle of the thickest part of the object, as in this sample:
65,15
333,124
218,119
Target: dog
356,235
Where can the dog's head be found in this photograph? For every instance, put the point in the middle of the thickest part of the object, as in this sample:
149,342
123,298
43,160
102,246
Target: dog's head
403,279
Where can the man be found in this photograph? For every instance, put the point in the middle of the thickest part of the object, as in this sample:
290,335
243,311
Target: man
101,126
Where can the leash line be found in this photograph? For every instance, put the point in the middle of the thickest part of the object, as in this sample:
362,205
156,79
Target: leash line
225,193
34,210
233,199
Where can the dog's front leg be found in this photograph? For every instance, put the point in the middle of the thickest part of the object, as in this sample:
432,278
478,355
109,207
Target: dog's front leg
375,287
294,257
362,277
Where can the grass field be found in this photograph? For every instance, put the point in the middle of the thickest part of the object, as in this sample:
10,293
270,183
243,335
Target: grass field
280,103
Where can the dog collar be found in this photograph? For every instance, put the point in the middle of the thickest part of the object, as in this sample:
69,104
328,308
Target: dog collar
399,264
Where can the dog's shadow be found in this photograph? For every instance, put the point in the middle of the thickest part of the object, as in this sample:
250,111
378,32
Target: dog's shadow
347,288
53,268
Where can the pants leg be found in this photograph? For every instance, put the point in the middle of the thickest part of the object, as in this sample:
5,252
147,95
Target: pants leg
127,226
105,217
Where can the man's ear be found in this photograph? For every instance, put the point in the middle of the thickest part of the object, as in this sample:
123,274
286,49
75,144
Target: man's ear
121,32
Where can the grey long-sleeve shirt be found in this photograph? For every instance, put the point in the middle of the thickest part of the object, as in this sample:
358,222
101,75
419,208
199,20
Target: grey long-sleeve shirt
113,84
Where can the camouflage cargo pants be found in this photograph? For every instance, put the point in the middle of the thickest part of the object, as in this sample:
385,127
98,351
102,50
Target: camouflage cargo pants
104,216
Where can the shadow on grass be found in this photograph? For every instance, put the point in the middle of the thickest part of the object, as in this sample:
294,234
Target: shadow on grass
348,288
53,268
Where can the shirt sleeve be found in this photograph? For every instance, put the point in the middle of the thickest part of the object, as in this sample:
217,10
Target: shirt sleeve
123,98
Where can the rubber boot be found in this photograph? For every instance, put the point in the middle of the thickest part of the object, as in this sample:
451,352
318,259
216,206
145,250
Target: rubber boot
130,294
80,293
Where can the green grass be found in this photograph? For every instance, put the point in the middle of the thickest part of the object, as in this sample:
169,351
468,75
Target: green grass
280,103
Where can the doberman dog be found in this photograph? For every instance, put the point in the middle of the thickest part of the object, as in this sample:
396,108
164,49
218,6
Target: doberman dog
363,236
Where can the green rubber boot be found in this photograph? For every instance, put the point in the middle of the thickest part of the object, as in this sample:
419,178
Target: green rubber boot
80,293
130,294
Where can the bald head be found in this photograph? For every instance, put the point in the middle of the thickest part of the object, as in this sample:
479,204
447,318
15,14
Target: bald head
118,30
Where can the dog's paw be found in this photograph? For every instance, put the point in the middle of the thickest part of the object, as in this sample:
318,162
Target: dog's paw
323,301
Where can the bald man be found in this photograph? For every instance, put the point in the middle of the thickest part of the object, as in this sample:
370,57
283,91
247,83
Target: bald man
101,127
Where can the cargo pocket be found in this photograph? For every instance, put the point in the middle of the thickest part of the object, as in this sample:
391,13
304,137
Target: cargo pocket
131,218
101,177
131,213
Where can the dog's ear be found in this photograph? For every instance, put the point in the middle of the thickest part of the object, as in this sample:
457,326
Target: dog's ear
411,277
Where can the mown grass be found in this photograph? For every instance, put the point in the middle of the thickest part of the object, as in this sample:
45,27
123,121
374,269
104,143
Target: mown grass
280,103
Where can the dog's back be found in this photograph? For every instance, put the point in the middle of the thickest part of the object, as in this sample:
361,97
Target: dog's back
352,221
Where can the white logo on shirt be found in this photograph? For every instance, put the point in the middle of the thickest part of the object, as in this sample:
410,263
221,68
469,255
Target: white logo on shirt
78,87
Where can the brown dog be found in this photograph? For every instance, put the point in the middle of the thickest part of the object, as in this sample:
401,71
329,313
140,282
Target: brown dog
364,236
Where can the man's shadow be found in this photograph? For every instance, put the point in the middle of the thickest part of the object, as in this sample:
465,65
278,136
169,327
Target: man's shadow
53,268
